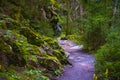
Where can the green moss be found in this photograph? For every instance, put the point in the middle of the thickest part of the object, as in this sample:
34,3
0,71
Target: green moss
16,44
26,48
9,74
47,44
25,75
50,62
61,56
4,47
12,24
26,54
32,37
2,24
75,38
33,75
25,51
21,44
36,39
52,43
9,23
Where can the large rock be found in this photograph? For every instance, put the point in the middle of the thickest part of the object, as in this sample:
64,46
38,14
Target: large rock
23,50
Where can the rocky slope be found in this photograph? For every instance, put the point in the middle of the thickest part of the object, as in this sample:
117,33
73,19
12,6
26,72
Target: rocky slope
27,55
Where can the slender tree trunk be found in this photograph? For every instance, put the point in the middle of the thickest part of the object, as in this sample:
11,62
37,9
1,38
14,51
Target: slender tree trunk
67,19
81,17
114,13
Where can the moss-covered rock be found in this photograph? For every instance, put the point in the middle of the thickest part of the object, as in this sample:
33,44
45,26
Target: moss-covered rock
4,47
2,24
54,44
49,62
21,47
31,36
29,50
61,56
51,46
9,23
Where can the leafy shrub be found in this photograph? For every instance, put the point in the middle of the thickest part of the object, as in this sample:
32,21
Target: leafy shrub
75,38
108,57
94,32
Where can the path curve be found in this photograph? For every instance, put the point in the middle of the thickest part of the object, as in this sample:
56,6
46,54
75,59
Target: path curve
82,63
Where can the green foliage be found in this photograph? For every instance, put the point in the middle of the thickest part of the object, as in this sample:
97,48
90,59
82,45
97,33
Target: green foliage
2,25
9,23
50,62
22,46
44,28
4,47
9,75
35,17
94,25
57,72
75,38
24,52
61,56
34,75
94,33
108,57
101,33
26,75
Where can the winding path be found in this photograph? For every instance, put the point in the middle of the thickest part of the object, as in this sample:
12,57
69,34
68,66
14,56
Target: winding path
82,63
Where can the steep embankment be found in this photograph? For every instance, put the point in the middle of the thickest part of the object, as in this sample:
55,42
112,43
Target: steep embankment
25,54
82,63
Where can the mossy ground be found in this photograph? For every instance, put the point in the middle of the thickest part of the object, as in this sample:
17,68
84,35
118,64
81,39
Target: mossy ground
24,53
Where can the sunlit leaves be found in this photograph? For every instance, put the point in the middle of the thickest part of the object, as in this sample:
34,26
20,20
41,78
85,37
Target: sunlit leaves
53,1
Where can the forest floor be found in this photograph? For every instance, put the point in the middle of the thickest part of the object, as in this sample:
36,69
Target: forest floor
82,67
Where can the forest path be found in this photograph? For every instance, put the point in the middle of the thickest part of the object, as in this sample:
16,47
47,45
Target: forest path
82,63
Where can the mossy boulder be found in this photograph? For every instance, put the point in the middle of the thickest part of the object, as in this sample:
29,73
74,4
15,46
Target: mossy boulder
31,36
18,51
61,56
54,44
21,47
36,39
49,62
18,45
51,46
4,47
9,23
2,24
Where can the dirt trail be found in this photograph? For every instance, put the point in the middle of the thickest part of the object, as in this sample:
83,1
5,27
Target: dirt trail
82,63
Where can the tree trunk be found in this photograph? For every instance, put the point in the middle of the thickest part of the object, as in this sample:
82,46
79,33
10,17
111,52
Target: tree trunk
67,19
114,13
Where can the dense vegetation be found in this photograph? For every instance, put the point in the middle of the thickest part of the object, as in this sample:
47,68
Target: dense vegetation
101,35
27,46
25,51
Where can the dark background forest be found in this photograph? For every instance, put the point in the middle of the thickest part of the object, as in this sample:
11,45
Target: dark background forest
29,30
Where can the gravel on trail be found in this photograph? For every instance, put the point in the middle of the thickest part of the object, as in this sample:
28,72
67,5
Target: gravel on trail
82,63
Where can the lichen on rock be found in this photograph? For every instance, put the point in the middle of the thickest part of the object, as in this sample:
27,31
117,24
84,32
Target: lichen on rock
22,49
